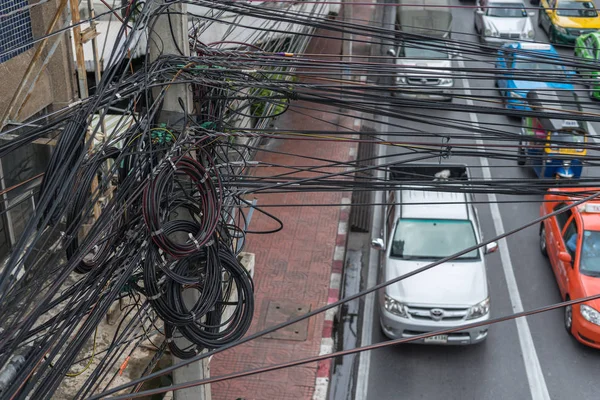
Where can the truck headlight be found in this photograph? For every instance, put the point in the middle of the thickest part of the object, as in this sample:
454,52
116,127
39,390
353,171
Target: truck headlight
395,307
401,80
590,314
487,32
479,310
560,29
446,81
531,34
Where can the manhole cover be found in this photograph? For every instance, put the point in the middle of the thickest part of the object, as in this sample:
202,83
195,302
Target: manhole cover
282,311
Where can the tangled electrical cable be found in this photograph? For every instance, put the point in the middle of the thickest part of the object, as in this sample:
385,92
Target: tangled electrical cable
154,212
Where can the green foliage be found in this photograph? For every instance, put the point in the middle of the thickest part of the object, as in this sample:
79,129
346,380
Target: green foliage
273,105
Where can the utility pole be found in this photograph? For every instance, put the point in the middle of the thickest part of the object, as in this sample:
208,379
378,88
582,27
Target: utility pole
171,37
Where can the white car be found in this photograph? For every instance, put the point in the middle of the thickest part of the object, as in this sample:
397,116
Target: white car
498,22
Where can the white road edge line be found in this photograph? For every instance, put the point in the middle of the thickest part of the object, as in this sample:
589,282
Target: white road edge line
535,376
366,337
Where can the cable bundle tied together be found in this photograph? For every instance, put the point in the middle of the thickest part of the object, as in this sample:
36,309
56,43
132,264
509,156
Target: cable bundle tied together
204,204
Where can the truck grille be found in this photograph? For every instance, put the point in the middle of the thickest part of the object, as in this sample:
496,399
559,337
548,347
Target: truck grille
423,81
431,313
510,35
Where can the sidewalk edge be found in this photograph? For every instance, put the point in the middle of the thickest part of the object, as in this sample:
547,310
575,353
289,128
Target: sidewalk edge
324,367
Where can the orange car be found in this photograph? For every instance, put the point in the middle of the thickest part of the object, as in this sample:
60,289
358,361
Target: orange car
571,240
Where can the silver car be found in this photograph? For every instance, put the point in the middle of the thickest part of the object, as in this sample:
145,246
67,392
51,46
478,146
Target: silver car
427,227
502,21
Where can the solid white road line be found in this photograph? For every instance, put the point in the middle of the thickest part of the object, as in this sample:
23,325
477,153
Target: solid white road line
535,376
366,337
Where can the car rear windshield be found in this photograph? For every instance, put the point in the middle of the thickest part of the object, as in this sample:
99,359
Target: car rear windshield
589,262
560,138
432,239
583,9
507,10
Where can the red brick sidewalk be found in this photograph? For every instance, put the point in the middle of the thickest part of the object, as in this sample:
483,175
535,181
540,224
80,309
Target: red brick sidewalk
294,266
299,268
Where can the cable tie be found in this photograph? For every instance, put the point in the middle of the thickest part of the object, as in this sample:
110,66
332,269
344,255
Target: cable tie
204,178
193,316
249,71
210,242
172,165
169,340
193,239
156,233
118,95
156,296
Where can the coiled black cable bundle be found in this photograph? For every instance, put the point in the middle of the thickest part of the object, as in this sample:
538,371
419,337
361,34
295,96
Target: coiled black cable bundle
156,206
214,272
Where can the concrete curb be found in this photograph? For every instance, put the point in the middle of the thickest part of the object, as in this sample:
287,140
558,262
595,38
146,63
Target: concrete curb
324,368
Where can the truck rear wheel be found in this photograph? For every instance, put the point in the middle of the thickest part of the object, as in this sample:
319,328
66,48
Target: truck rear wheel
521,158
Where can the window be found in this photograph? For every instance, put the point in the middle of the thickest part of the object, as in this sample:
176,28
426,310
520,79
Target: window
425,50
15,29
507,10
589,263
589,45
391,212
570,231
563,217
530,65
579,9
432,239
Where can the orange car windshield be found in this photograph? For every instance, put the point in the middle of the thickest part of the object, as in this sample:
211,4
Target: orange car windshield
589,263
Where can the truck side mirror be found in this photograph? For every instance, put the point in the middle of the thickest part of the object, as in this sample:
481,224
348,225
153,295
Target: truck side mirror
491,247
378,244
391,52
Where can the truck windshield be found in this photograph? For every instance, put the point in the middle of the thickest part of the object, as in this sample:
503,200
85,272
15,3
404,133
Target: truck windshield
589,262
424,50
582,9
507,10
432,239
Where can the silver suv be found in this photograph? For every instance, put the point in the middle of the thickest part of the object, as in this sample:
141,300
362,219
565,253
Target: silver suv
427,226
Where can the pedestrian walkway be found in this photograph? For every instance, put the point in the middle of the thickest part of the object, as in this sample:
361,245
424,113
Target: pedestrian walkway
299,268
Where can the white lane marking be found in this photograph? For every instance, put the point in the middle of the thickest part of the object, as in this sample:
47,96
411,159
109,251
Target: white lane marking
535,376
366,338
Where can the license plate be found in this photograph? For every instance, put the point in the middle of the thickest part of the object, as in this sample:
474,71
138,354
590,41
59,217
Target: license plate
436,339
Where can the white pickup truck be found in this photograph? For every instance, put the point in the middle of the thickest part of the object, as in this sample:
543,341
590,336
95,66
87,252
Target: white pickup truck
428,217
423,58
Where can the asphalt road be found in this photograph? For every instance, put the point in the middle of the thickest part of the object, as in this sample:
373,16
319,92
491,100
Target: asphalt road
501,367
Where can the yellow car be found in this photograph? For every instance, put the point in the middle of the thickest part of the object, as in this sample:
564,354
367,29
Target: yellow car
566,20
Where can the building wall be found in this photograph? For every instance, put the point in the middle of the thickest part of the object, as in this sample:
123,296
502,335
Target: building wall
56,86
